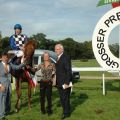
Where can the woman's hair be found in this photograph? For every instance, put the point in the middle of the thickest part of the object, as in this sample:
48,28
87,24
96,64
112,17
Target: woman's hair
44,54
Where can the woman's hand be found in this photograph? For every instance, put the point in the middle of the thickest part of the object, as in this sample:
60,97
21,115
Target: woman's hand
34,69
28,67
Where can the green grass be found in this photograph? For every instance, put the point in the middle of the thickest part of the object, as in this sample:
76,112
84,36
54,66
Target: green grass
89,63
87,102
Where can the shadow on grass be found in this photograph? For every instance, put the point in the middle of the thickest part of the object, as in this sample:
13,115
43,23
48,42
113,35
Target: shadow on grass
113,85
35,100
76,81
77,100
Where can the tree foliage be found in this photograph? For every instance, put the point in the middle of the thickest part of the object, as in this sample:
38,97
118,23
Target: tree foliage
115,49
74,49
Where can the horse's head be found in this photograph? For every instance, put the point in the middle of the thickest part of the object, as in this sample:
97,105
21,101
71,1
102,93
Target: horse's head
29,49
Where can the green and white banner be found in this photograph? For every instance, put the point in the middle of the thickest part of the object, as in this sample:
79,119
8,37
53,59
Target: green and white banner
104,2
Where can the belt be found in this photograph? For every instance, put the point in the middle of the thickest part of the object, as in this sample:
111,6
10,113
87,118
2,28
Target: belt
46,80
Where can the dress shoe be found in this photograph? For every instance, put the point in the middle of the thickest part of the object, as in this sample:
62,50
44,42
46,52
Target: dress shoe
7,113
65,116
50,113
43,111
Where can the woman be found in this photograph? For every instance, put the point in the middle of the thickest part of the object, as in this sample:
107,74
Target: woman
47,73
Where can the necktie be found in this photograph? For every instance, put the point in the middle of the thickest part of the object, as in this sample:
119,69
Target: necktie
58,58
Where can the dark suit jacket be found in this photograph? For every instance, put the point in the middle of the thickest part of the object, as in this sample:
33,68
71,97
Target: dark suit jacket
63,70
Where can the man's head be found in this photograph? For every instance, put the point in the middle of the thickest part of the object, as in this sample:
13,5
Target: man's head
5,57
59,49
18,29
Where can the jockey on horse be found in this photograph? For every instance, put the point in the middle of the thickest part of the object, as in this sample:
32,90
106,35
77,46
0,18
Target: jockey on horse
18,41
23,49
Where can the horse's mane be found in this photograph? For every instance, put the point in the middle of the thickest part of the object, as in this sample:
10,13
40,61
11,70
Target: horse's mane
29,49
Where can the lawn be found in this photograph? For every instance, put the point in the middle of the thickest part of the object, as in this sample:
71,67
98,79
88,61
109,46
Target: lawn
87,102
89,63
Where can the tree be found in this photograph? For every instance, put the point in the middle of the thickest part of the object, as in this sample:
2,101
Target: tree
40,38
74,49
88,52
50,44
115,49
71,47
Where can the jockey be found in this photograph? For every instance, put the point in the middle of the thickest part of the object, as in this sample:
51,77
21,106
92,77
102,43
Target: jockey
17,41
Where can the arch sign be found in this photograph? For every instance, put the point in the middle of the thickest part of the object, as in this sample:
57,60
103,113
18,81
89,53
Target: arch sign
100,39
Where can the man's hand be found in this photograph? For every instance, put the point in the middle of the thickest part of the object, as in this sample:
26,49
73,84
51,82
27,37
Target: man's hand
66,86
22,48
24,59
2,88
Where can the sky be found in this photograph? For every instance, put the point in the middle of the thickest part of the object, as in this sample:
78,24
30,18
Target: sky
58,19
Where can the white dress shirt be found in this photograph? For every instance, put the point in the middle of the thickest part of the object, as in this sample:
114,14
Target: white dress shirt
59,56
7,65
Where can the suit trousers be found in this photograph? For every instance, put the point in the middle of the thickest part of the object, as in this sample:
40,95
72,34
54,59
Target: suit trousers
5,102
2,104
65,99
46,91
8,101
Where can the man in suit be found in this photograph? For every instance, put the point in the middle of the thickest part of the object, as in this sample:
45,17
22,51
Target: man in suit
63,79
5,84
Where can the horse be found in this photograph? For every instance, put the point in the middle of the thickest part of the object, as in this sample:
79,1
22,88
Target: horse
22,75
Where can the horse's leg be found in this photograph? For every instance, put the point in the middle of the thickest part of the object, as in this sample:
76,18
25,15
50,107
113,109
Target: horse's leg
29,95
18,91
